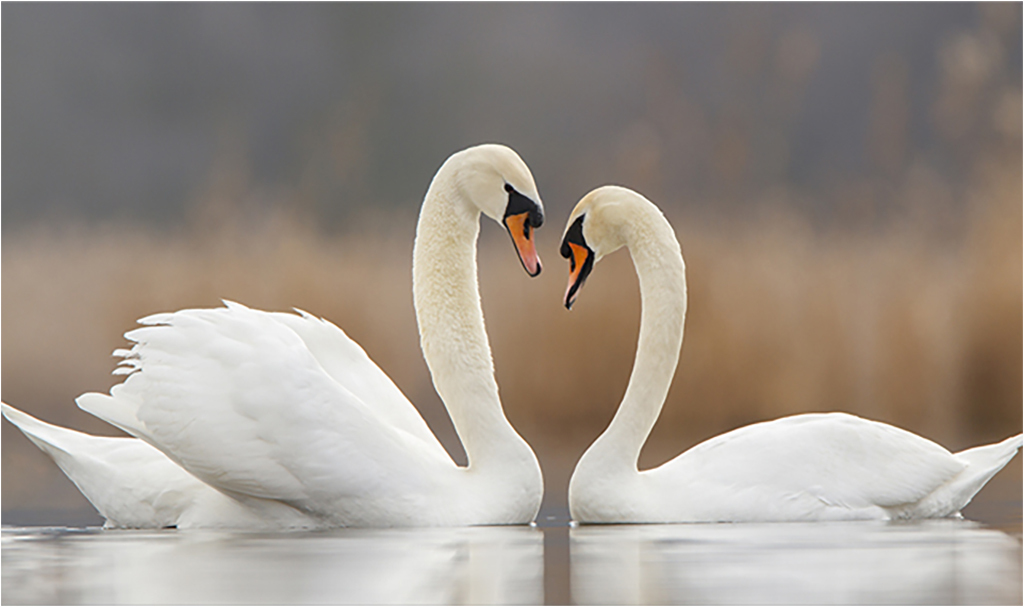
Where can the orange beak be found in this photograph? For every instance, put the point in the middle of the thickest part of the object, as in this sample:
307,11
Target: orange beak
577,261
522,237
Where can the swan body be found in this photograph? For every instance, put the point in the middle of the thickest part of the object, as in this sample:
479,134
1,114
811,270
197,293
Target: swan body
253,419
816,466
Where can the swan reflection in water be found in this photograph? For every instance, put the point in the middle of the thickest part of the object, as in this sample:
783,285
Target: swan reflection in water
928,562
473,565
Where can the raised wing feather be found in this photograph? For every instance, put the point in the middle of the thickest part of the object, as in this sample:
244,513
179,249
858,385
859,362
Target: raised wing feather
814,461
346,361
238,399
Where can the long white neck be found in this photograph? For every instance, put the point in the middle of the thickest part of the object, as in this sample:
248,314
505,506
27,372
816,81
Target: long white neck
662,276
451,324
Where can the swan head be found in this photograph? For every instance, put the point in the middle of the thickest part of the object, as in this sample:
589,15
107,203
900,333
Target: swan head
498,182
595,229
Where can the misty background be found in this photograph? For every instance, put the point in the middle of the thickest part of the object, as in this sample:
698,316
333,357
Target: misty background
845,180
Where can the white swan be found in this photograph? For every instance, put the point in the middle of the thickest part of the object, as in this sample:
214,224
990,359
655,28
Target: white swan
820,466
274,420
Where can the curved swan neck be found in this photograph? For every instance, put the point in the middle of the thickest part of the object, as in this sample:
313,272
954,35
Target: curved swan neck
662,276
451,324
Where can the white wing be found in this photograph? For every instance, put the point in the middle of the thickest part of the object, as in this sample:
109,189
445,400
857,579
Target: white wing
346,361
800,466
240,400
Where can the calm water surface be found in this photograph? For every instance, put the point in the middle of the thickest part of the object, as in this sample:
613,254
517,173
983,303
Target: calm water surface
930,562
483,565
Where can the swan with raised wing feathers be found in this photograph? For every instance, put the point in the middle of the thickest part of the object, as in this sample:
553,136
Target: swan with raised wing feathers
815,466
244,418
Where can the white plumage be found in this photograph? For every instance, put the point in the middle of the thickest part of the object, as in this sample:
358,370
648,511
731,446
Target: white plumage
245,418
817,466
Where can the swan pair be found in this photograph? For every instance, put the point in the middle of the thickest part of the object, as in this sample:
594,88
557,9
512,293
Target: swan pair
244,418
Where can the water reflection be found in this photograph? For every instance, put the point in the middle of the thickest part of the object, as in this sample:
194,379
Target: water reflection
480,565
931,562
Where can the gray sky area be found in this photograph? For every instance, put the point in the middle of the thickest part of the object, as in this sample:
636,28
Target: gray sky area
132,111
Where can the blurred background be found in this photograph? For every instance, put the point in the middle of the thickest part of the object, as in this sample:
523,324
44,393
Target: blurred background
845,180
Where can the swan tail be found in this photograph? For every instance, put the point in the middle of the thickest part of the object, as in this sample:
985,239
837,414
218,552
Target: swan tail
55,441
130,483
982,463
985,461
69,449
996,454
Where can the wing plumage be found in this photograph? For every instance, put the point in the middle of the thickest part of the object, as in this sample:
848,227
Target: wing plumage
346,361
239,398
